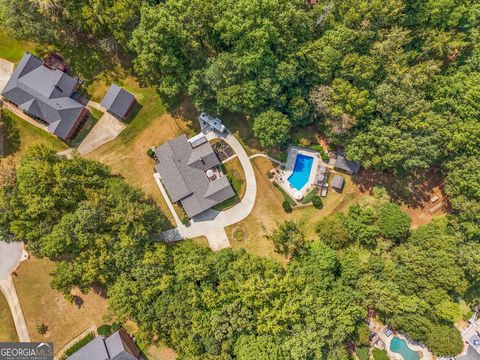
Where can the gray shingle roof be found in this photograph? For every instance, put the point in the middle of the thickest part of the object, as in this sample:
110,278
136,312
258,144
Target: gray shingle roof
182,169
350,167
94,350
117,346
45,94
337,182
117,101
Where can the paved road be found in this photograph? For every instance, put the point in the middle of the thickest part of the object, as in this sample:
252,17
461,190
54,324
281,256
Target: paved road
212,223
471,354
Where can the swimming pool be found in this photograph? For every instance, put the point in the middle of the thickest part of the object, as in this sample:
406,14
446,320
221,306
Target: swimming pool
400,346
301,171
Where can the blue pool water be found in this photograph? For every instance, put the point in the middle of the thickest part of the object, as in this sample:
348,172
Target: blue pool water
301,171
400,347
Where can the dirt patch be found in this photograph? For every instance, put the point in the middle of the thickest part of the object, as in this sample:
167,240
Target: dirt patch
421,196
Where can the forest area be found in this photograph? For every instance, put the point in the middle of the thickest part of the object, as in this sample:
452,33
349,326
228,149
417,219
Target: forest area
396,83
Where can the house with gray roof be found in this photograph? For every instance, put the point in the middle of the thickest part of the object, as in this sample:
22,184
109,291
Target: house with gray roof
118,346
347,166
118,101
189,171
46,95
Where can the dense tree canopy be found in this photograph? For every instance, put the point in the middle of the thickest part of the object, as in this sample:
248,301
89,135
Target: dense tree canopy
75,212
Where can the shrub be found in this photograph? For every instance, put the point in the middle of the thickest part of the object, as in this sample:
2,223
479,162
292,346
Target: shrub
115,326
42,329
150,153
287,207
105,330
363,353
270,174
79,344
283,156
379,354
319,148
317,202
238,233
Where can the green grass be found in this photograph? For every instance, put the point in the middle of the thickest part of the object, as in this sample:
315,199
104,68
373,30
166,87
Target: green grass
7,327
308,198
30,134
286,197
234,171
12,49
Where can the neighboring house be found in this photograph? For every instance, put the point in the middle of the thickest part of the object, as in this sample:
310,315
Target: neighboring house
118,101
337,183
347,166
189,171
118,346
46,94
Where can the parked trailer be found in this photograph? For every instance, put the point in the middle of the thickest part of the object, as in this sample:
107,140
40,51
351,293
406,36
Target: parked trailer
214,122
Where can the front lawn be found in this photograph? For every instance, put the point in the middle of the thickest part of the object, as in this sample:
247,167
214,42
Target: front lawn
43,305
7,327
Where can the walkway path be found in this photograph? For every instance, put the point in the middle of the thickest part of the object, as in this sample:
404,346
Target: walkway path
96,105
8,290
212,223
267,157
11,254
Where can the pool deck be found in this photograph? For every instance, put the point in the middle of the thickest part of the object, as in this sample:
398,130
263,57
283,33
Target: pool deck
424,353
293,151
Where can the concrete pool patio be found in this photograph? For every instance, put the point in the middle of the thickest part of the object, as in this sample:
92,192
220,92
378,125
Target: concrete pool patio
293,152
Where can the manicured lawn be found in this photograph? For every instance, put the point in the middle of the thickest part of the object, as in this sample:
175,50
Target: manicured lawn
13,50
7,327
42,304
30,134
234,170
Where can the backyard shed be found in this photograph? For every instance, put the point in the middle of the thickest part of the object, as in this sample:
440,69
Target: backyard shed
118,101
347,166
338,182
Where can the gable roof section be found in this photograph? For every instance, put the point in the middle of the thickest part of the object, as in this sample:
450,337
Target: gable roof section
182,170
117,346
346,165
45,94
94,350
117,100
337,182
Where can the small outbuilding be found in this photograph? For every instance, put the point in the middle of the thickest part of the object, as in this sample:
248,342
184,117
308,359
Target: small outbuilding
347,166
118,101
337,183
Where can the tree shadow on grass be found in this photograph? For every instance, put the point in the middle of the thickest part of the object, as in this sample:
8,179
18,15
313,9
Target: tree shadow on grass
10,132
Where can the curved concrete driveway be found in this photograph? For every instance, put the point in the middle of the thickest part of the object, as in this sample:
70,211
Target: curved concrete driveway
212,223
10,256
